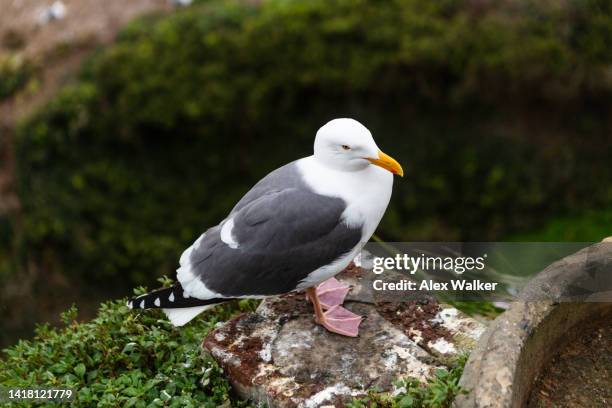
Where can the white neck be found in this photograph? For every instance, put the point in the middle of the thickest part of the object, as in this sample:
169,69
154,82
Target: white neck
367,191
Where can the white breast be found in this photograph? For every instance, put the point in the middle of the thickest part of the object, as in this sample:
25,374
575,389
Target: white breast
366,192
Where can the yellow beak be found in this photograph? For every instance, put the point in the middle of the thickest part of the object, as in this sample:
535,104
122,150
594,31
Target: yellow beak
388,163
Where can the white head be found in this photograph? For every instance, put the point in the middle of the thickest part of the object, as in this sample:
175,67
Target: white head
345,144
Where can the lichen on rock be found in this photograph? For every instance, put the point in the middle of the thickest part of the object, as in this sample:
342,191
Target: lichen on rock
280,357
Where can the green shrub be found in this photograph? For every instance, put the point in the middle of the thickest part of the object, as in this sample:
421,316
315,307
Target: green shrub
123,359
439,391
14,74
495,115
592,226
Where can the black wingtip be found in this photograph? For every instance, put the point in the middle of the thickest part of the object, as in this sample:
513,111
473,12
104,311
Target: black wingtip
169,298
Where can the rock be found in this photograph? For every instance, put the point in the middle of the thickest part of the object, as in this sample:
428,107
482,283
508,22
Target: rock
180,3
280,357
56,11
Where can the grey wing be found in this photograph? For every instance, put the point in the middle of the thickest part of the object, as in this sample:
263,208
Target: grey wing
277,239
283,178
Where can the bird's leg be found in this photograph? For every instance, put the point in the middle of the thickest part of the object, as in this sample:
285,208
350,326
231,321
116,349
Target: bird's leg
332,293
337,319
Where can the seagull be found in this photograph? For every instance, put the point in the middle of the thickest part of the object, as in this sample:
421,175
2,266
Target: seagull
294,230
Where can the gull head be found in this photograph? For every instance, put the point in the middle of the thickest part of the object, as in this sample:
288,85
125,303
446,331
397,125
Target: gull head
346,144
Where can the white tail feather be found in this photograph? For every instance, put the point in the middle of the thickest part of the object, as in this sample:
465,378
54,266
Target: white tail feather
181,316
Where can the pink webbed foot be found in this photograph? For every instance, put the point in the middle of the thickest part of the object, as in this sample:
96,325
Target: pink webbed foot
332,293
341,321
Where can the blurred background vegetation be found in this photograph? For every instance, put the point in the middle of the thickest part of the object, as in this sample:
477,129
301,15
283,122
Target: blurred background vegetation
500,113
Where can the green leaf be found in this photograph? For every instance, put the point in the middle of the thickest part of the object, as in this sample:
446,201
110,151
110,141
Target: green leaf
79,370
406,402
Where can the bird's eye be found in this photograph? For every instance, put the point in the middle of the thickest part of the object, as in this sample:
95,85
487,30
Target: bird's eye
346,147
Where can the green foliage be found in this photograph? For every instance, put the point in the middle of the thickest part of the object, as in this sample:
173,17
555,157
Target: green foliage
439,392
168,127
485,309
14,74
123,359
592,226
